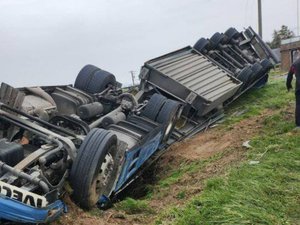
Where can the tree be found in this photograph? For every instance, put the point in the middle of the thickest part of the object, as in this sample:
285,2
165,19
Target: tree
278,35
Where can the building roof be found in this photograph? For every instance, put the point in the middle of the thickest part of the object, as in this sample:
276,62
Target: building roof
290,40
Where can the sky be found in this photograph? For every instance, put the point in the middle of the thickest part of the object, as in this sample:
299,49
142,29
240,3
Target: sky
48,42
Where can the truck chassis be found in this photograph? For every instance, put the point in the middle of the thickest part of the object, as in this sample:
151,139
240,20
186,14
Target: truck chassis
98,138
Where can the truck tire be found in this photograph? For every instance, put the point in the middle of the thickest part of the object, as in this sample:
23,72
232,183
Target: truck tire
266,65
257,71
100,81
216,39
94,170
262,82
154,106
168,117
93,80
245,75
256,68
201,45
231,33
84,76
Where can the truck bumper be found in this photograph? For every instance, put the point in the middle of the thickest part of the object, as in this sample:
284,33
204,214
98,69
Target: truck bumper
15,211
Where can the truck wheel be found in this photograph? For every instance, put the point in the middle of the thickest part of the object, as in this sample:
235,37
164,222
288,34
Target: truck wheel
94,170
216,39
266,65
262,82
84,76
168,117
91,79
231,33
100,81
245,75
154,106
201,45
257,69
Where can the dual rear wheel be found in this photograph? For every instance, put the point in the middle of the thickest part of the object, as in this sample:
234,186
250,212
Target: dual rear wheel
164,111
92,79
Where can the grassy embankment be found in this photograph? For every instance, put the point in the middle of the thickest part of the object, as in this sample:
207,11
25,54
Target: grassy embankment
262,189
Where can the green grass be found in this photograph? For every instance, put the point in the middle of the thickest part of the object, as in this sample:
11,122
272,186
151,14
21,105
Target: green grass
263,193
132,206
181,195
186,168
271,97
267,192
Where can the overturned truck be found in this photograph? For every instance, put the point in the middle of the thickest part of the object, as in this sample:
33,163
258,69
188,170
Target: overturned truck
98,138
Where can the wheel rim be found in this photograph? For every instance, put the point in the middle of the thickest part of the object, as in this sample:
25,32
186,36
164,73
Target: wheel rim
104,173
170,126
101,183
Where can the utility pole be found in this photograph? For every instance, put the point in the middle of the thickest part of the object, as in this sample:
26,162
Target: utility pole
298,18
260,18
132,77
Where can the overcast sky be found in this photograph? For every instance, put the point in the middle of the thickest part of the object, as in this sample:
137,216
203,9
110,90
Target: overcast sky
48,42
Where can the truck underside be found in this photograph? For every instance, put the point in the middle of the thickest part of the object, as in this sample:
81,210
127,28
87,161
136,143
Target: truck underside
99,138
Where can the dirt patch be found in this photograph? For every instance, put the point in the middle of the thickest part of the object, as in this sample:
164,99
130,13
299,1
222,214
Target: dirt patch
215,140
227,140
